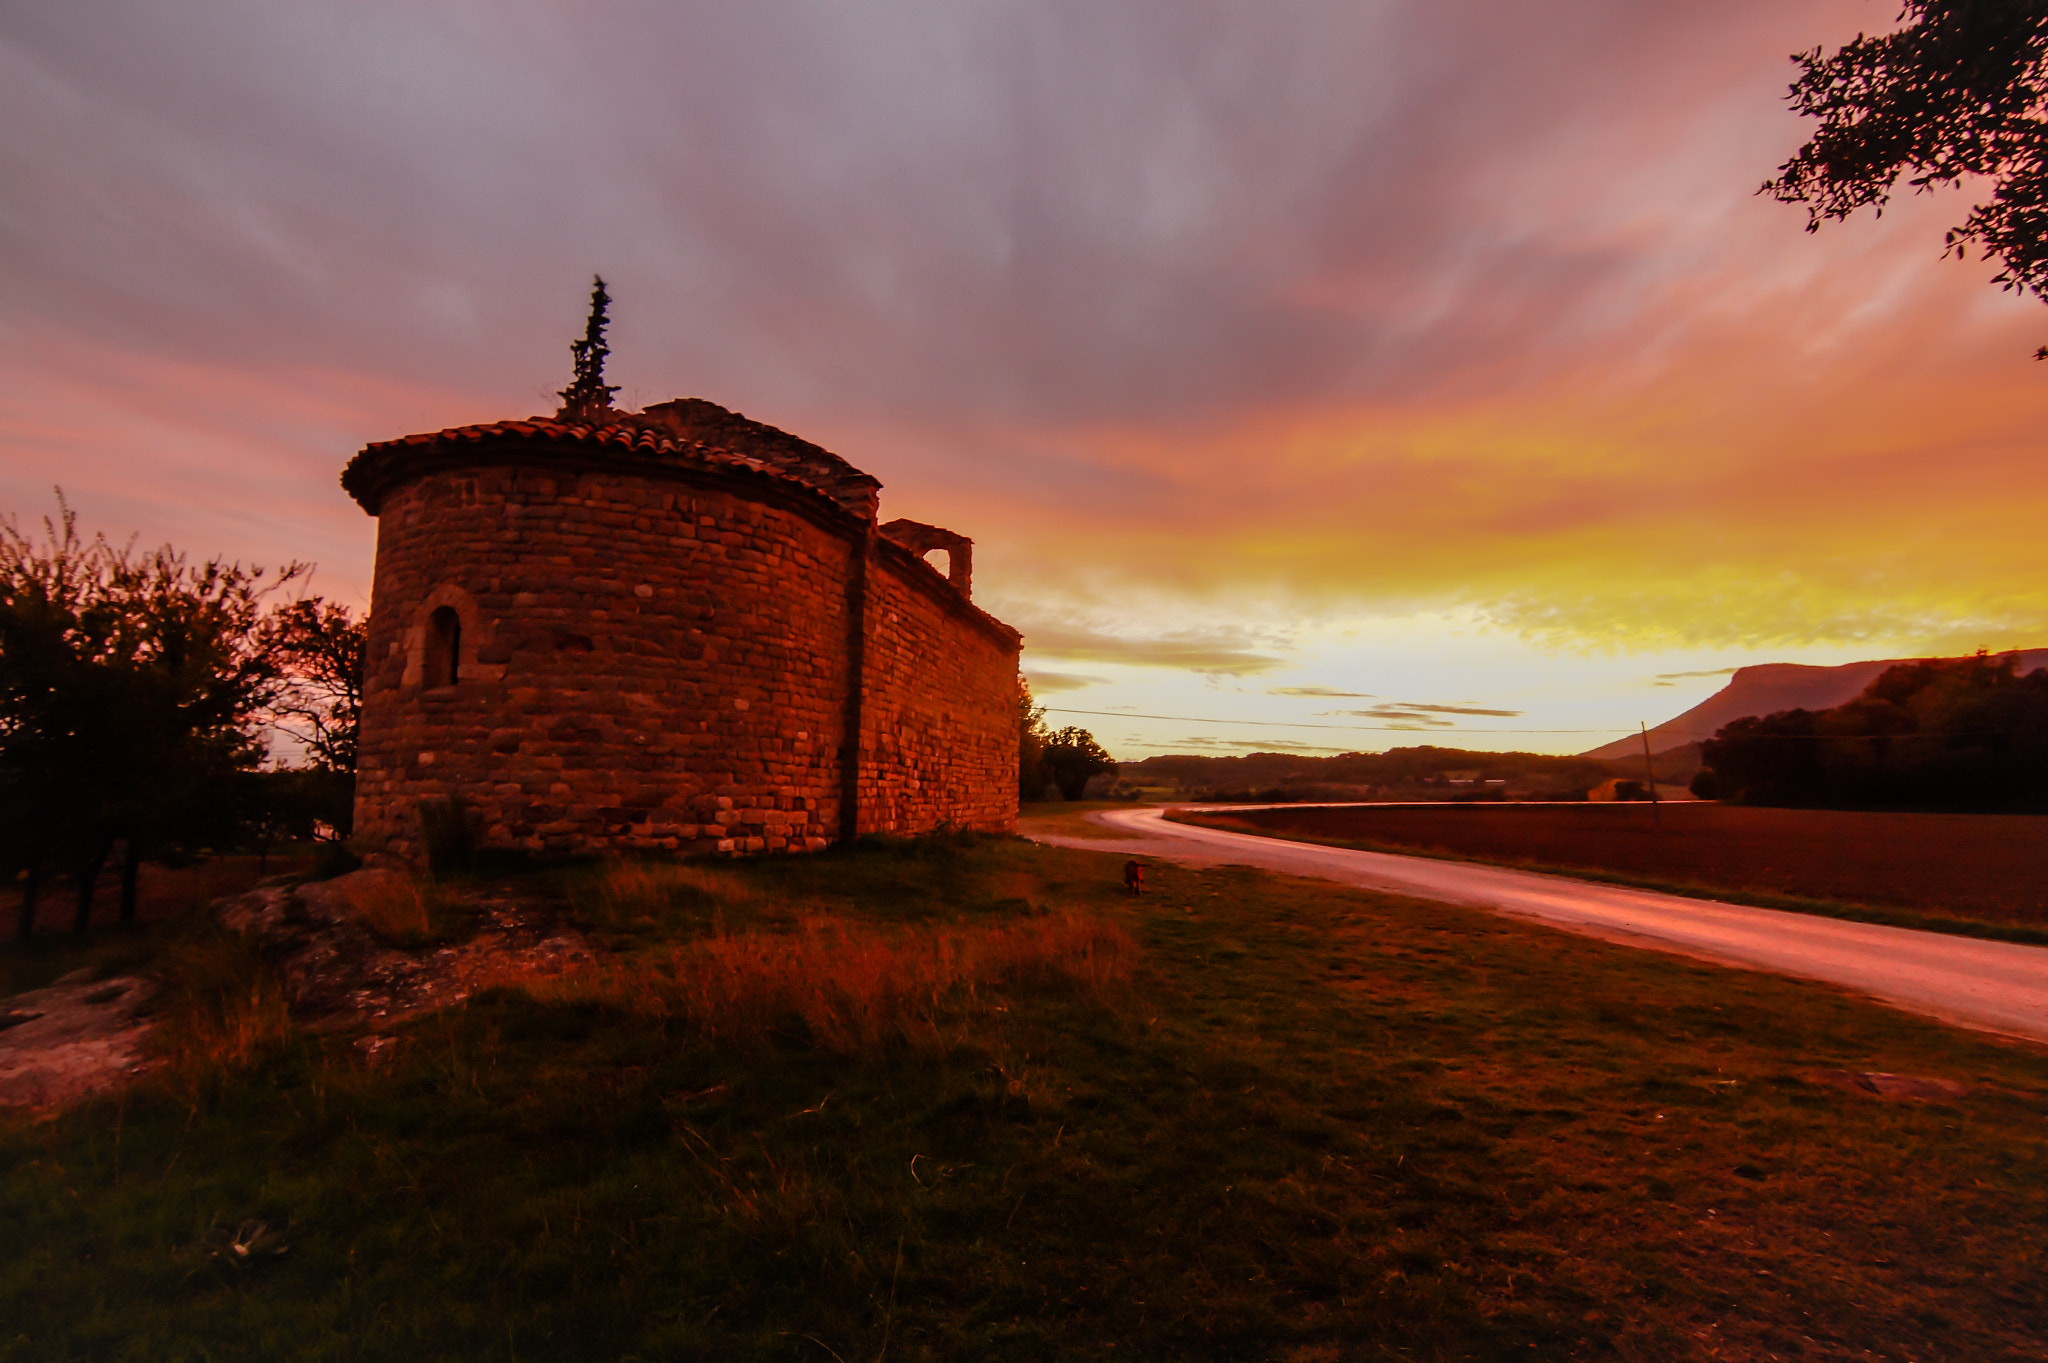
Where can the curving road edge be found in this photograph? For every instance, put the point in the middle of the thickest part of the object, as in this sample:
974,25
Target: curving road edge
1997,987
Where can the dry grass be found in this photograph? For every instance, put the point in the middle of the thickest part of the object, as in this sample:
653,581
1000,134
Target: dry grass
404,912
220,1008
1317,1123
639,894
852,987
762,1195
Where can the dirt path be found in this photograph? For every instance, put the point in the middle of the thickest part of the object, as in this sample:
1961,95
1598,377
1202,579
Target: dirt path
1991,986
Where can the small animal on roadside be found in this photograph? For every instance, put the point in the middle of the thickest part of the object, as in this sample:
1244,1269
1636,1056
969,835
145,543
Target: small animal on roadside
1134,876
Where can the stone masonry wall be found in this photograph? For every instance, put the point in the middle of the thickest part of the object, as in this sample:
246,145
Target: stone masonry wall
646,663
939,711
642,665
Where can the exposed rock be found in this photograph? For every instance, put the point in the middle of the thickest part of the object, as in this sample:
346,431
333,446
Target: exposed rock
337,976
72,1040
81,1037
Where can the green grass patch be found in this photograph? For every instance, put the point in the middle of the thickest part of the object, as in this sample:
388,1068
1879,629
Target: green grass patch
1307,1122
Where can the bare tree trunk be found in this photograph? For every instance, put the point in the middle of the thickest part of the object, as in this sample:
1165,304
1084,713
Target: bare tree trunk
131,864
88,881
31,886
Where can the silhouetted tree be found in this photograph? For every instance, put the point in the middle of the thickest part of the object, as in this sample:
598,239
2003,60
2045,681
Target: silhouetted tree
1959,92
588,395
1955,733
319,648
59,636
281,805
1071,756
130,689
1031,735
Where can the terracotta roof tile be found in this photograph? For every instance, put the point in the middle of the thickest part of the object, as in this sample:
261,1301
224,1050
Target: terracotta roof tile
658,434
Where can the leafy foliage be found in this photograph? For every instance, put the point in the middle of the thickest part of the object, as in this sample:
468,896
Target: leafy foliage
1959,92
319,648
1065,758
1031,736
131,686
1071,756
1956,733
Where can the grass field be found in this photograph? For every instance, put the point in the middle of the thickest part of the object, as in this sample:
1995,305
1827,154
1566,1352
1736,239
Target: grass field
1071,821
1973,872
963,1100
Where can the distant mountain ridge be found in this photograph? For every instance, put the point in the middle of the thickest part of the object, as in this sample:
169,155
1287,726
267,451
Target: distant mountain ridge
1768,688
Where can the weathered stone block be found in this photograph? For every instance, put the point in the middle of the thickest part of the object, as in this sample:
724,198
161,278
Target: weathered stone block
571,681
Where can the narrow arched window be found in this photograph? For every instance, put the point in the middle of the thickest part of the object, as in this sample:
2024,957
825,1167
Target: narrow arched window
444,647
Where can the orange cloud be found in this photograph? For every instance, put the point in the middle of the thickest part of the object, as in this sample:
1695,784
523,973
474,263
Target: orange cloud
1757,486
1464,307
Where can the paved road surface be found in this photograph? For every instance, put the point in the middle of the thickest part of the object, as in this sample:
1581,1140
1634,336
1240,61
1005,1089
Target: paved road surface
1992,986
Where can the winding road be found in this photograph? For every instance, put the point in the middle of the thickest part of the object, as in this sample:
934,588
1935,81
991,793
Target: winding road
1997,987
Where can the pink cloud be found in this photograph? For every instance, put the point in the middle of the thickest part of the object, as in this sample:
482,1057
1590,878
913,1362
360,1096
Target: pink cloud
1359,307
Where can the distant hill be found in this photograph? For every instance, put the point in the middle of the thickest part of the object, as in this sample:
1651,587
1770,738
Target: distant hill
1413,771
1766,689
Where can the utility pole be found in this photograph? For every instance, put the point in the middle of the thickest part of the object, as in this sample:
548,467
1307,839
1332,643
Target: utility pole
1656,819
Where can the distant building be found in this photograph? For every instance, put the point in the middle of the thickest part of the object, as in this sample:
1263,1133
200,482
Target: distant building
675,629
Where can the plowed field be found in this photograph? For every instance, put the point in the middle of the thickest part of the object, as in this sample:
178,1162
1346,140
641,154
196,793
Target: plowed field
1987,866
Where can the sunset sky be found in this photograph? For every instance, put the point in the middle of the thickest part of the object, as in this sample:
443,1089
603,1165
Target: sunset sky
1315,373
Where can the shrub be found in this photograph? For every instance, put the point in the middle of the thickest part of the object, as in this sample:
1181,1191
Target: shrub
449,832
402,912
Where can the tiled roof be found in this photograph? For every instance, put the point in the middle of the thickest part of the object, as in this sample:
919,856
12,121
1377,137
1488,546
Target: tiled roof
664,434
549,430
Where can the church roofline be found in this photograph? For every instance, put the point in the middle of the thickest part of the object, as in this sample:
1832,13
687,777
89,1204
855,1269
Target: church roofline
686,434
630,443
